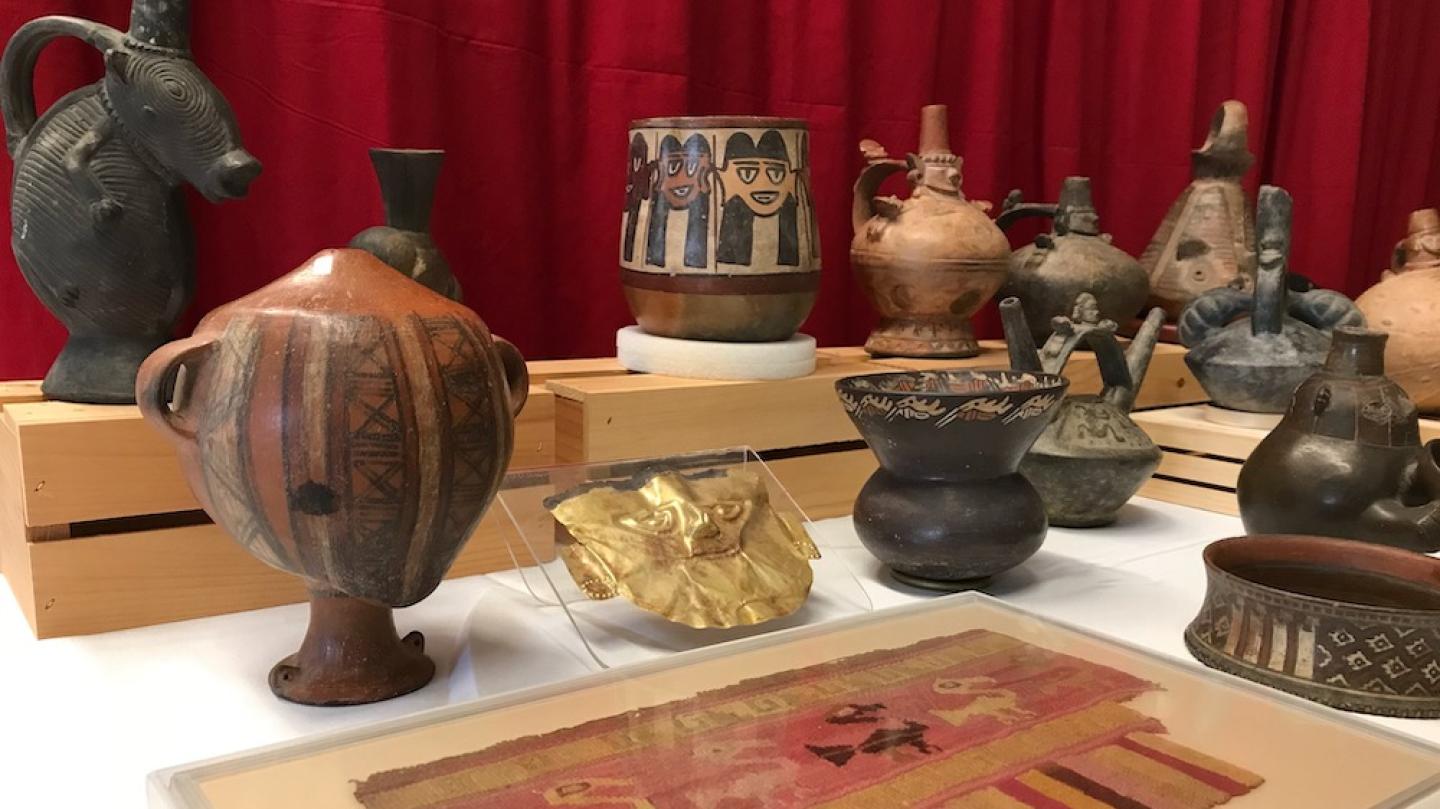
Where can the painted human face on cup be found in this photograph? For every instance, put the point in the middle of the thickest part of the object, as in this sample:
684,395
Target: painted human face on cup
637,173
759,174
684,172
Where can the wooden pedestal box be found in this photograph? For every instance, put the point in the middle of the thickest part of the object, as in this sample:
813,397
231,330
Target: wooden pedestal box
797,425
99,531
1203,457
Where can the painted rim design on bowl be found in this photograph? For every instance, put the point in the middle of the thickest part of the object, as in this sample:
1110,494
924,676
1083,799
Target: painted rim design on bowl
944,397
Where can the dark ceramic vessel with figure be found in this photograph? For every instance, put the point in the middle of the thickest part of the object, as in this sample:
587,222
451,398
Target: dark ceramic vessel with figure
947,509
407,188
1346,460
98,221
1073,258
928,262
1092,458
718,238
349,426
1251,349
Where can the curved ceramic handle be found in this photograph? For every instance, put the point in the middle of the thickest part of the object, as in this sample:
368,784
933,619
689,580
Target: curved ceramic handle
17,67
1015,208
868,183
517,374
155,384
1210,312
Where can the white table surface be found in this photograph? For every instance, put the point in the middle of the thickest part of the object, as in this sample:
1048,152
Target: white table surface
84,720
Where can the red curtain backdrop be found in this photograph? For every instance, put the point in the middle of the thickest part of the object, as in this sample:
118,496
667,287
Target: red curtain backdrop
531,100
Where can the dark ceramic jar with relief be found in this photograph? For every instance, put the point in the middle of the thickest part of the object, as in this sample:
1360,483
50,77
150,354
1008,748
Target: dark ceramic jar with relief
348,426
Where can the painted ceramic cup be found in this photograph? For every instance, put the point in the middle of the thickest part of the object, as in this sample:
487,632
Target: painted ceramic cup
948,507
718,237
348,426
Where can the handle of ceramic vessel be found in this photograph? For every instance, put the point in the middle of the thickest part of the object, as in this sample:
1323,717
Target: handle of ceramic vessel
517,374
1013,209
867,185
17,67
155,385
1210,312
1325,309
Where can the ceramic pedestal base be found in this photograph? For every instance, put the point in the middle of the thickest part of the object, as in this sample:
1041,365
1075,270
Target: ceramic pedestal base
701,359
98,368
351,655
919,338
949,535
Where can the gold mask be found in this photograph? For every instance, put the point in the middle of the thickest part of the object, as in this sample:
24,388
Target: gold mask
703,550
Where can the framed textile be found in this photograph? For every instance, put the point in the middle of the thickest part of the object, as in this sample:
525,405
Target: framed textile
960,702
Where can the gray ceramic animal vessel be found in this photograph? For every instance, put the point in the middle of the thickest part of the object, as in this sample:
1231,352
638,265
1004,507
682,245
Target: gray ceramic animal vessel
1092,458
99,227
1251,351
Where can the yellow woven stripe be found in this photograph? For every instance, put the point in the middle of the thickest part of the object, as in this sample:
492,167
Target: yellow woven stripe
1197,758
987,798
1036,743
1146,779
662,729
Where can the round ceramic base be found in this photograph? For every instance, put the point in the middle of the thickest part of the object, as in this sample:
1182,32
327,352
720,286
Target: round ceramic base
401,670
939,584
1241,418
1082,522
700,359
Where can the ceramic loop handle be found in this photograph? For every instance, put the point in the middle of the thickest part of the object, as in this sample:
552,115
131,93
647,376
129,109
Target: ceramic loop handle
155,386
517,374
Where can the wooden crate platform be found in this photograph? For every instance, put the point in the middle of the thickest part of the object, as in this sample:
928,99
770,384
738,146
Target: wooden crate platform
1202,458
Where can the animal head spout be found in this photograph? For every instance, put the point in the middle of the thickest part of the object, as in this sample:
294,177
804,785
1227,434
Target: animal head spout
168,106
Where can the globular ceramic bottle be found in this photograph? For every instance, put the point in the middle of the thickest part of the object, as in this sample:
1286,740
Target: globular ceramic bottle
1207,238
1251,348
1406,305
1074,258
927,263
350,427
1346,460
407,188
1092,458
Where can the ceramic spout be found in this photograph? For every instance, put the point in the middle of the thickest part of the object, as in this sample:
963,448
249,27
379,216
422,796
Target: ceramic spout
1018,341
1225,153
1137,359
161,23
1273,212
407,185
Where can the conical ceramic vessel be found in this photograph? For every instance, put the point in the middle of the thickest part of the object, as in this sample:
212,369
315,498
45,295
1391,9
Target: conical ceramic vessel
407,188
1092,458
929,262
1074,258
947,509
1406,305
1207,239
1346,460
1250,349
348,426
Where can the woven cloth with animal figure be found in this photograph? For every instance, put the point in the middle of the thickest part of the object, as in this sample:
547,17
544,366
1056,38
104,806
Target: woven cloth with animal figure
977,719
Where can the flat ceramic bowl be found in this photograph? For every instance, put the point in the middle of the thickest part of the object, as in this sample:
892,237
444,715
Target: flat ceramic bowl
1348,624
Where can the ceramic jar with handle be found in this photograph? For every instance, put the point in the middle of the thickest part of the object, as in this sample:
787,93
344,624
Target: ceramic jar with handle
929,262
1406,305
1346,460
718,238
349,426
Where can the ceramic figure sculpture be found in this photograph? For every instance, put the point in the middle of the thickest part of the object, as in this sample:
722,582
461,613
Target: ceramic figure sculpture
1092,458
1346,460
1207,239
1075,257
947,509
1406,305
718,236
1250,349
929,262
349,426
407,187
98,221
1347,624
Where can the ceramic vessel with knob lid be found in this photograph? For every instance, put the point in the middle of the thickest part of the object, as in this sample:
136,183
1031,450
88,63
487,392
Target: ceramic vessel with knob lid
349,426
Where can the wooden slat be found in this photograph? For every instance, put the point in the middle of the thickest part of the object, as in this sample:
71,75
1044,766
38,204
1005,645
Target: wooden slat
22,391
1185,494
14,558
542,371
1215,471
1187,428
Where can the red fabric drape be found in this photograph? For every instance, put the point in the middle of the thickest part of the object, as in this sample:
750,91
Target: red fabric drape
532,99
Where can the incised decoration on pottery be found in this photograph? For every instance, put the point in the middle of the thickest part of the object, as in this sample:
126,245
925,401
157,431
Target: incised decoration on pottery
349,426
1346,459
704,550
1406,305
1250,349
1092,458
407,188
1347,624
1075,257
718,236
1207,239
929,262
98,221
947,509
